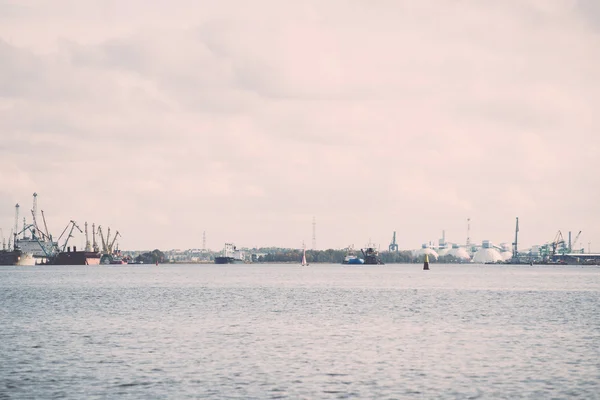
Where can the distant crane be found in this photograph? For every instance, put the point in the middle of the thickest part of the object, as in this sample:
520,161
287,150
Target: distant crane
558,240
393,246
73,225
107,244
574,243
111,246
104,247
2,238
36,231
46,226
94,243
88,247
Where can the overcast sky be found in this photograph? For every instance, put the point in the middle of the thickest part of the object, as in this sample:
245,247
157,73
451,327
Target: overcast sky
244,119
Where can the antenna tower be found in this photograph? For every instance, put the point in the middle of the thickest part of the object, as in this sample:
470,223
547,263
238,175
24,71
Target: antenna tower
204,241
468,232
314,234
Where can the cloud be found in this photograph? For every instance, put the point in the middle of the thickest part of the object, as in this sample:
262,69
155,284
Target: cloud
245,121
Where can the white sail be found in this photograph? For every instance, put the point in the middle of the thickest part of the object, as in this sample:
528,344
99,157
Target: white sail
304,263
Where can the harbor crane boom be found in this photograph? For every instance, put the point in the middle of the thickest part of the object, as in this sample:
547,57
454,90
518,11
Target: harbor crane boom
574,242
558,239
73,225
46,226
104,248
110,248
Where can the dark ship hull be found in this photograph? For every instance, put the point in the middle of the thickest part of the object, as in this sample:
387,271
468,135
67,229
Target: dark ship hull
228,260
15,257
371,256
76,258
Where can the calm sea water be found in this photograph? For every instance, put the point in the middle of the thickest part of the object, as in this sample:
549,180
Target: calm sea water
282,331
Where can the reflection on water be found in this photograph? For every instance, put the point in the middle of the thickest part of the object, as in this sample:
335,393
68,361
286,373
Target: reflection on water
326,331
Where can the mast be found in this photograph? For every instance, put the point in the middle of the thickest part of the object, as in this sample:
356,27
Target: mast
87,238
34,216
16,220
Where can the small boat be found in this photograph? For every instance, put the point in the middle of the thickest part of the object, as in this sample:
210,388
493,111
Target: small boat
304,262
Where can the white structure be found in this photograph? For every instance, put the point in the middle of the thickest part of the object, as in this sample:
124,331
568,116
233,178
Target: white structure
506,252
425,249
487,254
460,253
443,251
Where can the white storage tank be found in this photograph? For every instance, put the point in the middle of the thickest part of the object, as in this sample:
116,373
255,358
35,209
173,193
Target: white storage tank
487,254
425,249
460,253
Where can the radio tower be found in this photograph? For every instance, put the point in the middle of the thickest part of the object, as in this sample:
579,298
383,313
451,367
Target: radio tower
468,232
314,236
204,241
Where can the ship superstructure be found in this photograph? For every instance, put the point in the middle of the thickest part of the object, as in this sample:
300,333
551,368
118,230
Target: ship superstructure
231,255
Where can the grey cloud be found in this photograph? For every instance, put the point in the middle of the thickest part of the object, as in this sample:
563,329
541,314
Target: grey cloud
247,121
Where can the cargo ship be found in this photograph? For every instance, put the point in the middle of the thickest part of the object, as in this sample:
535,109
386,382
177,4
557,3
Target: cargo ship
76,257
231,255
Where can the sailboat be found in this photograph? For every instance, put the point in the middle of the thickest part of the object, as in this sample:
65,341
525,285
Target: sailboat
304,262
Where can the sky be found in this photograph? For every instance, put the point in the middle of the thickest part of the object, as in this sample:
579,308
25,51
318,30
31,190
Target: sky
246,120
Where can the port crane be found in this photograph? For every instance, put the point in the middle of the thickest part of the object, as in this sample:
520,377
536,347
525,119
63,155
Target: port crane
574,242
550,249
515,244
111,246
107,244
73,225
393,246
104,247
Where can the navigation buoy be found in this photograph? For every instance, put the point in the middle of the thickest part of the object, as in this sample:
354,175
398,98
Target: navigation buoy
426,263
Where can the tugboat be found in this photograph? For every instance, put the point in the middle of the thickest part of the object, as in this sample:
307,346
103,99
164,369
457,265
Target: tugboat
352,258
231,255
371,256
